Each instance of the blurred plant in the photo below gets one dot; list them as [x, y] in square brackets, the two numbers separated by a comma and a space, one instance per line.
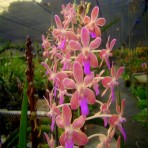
[70, 63]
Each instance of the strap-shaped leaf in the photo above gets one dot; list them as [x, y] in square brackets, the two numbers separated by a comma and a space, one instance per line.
[23, 120]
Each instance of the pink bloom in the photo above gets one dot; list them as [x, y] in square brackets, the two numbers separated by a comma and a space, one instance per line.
[46, 45]
[61, 33]
[72, 134]
[97, 79]
[83, 95]
[66, 61]
[50, 141]
[54, 111]
[69, 13]
[106, 140]
[117, 120]
[93, 22]
[86, 57]
[105, 53]
[110, 82]
[105, 109]
[56, 77]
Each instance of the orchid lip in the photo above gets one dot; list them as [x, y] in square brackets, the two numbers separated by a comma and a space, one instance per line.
[86, 67]
[84, 106]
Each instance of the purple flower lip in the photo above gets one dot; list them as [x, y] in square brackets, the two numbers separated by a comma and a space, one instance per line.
[86, 66]
[84, 106]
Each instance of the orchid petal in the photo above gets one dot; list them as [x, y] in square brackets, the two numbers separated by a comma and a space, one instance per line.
[113, 71]
[69, 83]
[118, 142]
[90, 96]
[97, 31]
[88, 79]
[59, 121]
[63, 44]
[61, 75]
[107, 61]
[106, 81]
[43, 38]
[95, 43]
[79, 138]
[62, 139]
[112, 44]
[58, 21]
[118, 108]
[70, 35]
[105, 121]
[86, 19]
[112, 94]
[100, 21]
[75, 45]
[119, 72]
[79, 122]
[113, 119]
[96, 88]
[122, 106]
[74, 101]
[79, 58]
[78, 72]
[107, 43]
[66, 115]
[122, 131]
[95, 13]
[85, 38]
[93, 60]
[52, 123]
[102, 53]
[104, 92]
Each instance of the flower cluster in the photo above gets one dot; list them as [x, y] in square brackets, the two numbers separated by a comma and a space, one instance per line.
[72, 65]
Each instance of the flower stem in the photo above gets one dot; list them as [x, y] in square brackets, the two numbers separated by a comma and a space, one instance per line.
[94, 135]
[98, 116]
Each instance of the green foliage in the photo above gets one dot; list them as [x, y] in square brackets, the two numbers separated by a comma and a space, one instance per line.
[139, 91]
[23, 121]
[142, 117]
[142, 104]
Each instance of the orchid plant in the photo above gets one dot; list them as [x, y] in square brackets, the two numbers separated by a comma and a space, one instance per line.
[72, 55]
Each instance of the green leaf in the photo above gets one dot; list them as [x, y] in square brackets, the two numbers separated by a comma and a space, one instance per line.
[104, 28]
[23, 121]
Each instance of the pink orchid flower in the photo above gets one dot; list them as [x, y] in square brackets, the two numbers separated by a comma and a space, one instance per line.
[62, 33]
[46, 45]
[106, 53]
[66, 61]
[83, 95]
[54, 111]
[93, 22]
[117, 120]
[104, 108]
[110, 82]
[50, 141]
[56, 77]
[106, 140]
[69, 13]
[72, 134]
[97, 79]
[86, 57]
